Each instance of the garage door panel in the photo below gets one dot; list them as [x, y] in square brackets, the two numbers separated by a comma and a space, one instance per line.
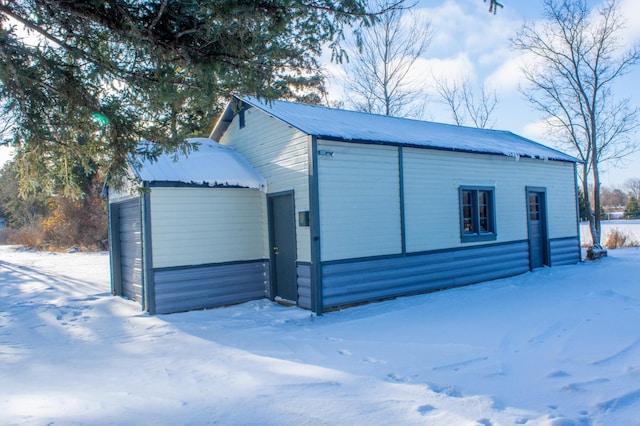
[131, 249]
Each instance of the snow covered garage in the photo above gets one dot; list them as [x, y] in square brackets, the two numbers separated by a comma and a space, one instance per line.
[363, 207]
[190, 233]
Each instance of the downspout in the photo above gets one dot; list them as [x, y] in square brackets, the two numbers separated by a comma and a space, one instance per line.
[314, 222]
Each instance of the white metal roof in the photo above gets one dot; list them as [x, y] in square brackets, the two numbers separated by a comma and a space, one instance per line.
[211, 164]
[344, 125]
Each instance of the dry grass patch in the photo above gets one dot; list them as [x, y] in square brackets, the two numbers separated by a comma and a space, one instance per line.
[618, 239]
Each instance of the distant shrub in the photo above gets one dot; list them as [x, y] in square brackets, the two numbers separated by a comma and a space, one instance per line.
[31, 235]
[81, 224]
[70, 223]
[619, 239]
[4, 235]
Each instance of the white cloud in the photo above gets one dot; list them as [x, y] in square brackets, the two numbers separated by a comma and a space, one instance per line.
[465, 26]
[508, 77]
[434, 69]
[630, 10]
[536, 130]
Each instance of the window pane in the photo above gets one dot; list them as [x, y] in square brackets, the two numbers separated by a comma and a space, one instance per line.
[483, 197]
[484, 219]
[534, 207]
[483, 210]
[467, 218]
[466, 197]
[467, 212]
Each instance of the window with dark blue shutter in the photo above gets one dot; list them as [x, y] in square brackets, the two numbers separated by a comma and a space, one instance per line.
[477, 214]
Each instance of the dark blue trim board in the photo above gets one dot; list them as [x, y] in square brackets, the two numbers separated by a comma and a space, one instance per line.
[148, 290]
[176, 184]
[316, 281]
[114, 249]
[403, 228]
[207, 265]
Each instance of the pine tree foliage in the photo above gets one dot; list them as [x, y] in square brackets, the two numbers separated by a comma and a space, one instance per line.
[84, 81]
[632, 209]
[18, 211]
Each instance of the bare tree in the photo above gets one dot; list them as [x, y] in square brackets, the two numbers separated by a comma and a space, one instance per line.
[578, 58]
[378, 78]
[613, 197]
[632, 185]
[467, 107]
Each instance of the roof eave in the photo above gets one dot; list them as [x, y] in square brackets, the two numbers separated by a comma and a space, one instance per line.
[225, 119]
[564, 157]
[227, 116]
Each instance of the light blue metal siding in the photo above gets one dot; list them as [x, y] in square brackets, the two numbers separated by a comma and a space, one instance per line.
[183, 289]
[565, 251]
[303, 271]
[364, 280]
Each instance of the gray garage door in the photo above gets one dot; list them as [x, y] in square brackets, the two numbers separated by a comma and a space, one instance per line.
[131, 249]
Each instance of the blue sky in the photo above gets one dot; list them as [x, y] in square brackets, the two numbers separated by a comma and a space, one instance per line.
[470, 41]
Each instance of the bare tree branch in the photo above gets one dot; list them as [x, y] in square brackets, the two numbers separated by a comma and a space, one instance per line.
[378, 76]
[578, 57]
[467, 107]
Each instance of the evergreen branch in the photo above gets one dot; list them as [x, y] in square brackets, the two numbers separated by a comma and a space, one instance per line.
[163, 6]
[398, 5]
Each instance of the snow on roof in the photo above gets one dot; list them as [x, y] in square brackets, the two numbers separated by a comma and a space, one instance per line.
[211, 164]
[336, 124]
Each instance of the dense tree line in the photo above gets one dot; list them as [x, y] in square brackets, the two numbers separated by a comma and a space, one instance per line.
[626, 198]
[40, 220]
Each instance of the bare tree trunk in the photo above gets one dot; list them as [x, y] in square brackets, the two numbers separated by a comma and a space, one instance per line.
[579, 57]
[587, 201]
[596, 228]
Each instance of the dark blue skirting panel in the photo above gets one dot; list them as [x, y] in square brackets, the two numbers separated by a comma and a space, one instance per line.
[565, 251]
[357, 281]
[208, 286]
[304, 284]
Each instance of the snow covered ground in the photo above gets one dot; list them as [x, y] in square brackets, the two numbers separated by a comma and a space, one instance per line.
[630, 228]
[558, 346]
